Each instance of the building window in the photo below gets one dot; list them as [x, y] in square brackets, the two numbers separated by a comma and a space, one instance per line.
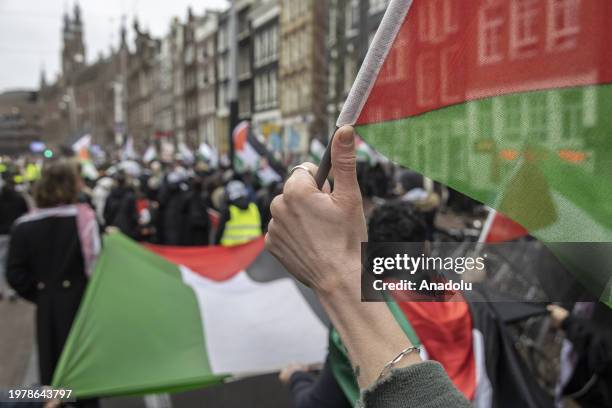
[244, 102]
[524, 27]
[352, 17]
[273, 90]
[349, 72]
[333, 16]
[223, 66]
[563, 24]
[257, 93]
[377, 6]
[513, 117]
[331, 89]
[266, 46]
[244, 68]
[426, 78]
[537, 116]
[450, 90]
[223, 96]
[490, 32]
[274, 42]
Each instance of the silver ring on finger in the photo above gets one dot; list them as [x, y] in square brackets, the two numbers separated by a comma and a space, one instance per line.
[299, 166]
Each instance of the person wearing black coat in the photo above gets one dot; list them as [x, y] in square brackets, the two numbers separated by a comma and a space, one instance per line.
[12, 206]
[173, 197]
[47, 260]
[196, 222]
[589, 331]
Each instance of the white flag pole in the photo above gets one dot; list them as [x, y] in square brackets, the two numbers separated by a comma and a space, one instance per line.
[366, 77]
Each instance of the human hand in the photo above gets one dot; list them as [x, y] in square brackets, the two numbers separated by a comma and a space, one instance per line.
[111, 229]
[285, 374]
[557, 315]
[316, 234]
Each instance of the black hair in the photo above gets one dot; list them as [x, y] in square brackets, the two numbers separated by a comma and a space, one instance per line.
[396, 222]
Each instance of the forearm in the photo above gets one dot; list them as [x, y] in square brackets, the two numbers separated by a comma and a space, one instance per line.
[368, 330]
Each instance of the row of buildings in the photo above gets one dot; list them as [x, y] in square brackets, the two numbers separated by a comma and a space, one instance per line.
[296, 60]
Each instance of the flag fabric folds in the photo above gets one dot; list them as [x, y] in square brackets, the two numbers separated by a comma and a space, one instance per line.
[165, 319]
[505, 101]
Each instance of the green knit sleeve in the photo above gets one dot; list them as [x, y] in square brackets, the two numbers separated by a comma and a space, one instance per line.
[422, 385]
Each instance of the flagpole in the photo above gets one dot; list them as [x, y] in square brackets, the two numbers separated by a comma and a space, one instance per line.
[233, 81]
[366, 77]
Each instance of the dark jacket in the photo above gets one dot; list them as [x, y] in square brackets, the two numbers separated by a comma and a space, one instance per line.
[591, 381]
[173, 208]
[12, 206]
[322, 391]
[197, 223]
[45, 266]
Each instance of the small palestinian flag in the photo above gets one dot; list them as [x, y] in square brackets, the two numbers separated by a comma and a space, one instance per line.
[499, 228]
[252, 155]
[166, 319]
[506, 101]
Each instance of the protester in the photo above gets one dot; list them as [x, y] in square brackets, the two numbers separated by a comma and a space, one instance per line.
[317, 236]
[100, 194]
[197, 222]
[392, 222]
[589, 358]
[120, 208]
[240, 220]
[310, 391]
[173, 202]
[51, 255]
[12, 206]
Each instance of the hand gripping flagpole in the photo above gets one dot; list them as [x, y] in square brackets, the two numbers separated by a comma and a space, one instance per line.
[360, 91]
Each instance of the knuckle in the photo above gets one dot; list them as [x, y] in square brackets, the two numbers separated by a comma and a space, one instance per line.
[269, 242]
[276, 206]
[291, 192]
[346, 162]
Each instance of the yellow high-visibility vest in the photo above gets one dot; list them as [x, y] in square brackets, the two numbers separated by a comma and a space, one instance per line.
[32, 172]
[242, 226]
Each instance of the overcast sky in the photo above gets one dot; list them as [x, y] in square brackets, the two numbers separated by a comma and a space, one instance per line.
[30, 31]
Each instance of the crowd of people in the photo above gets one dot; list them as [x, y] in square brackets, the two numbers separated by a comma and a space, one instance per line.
[51, 211]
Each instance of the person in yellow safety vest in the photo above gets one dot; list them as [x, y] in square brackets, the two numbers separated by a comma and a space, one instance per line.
[241, 220]
[32, 172]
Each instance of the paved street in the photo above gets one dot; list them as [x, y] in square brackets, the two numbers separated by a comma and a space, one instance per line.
[18, 367]
[16, 342]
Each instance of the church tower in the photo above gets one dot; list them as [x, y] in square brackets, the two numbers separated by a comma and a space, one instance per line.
[73, 50]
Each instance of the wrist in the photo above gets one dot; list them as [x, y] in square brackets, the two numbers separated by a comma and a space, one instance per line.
[341, 284]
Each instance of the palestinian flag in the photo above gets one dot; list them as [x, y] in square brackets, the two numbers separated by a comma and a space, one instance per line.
[499, 228]
[252, 155]
[316, 150]
[162, 319]
[507, 102]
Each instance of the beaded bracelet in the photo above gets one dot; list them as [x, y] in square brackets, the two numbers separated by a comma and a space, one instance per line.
[389, 366]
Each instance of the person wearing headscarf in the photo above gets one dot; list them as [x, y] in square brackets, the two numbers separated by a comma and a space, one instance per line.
[51, 256]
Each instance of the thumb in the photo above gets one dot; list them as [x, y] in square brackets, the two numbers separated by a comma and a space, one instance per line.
[343, 161]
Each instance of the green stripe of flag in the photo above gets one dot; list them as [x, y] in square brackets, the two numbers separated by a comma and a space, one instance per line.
[543, 158]
[147, 316]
